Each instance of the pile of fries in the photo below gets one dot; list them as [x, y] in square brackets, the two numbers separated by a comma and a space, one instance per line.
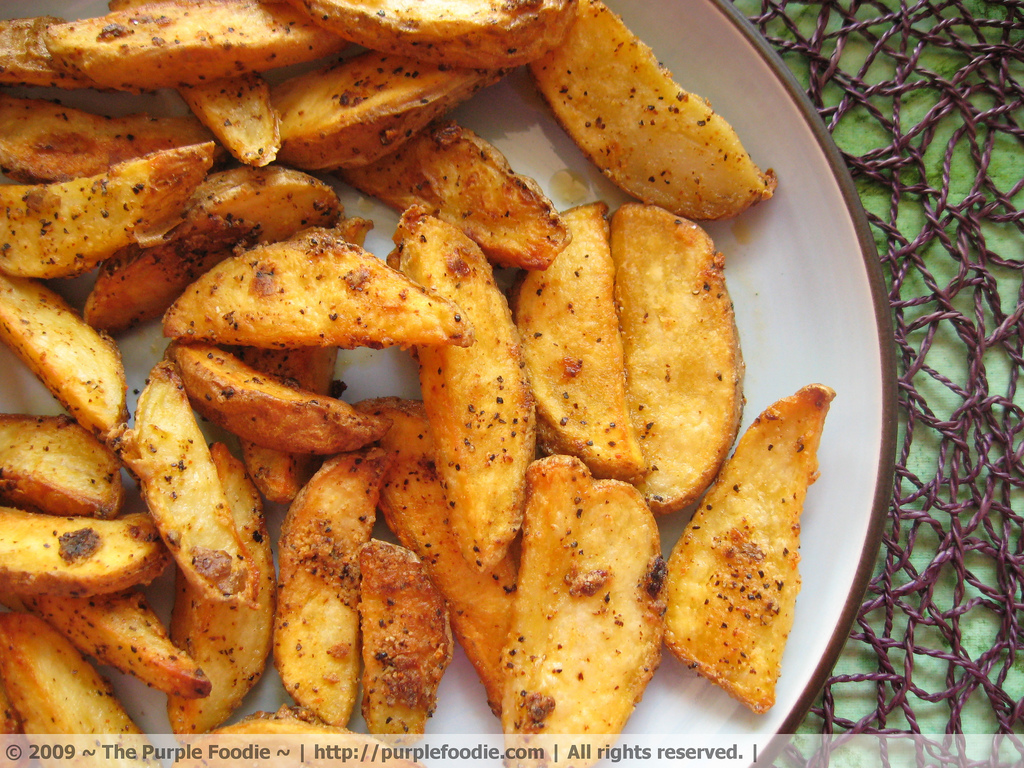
[590, 385]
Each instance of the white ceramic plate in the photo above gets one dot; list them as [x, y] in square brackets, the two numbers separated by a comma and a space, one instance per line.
[810, 305]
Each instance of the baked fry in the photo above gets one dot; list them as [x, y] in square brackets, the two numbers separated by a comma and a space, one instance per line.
[684, 368]
[229, 639]
[733, 576]
[406, 639]
[237, 110]
[353, 112]
[54, 465]
[25, 59]
[314, 289]
[268, 410]
[169, 43]
[657, 142]
[75, 556]
[80, 366]
[67, 228]
[462, 179]
[413, 503]
[570, 330]
[316, 632]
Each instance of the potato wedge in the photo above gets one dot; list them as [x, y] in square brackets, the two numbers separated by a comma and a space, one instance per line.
[587, 621]
[266, 409]
[406, 639]
[53, 687]
[79, 365]
[570, 330]
[25, 59]
[241, 206]
[54, 465]
[316, 632]
[478, 399]
[733, 576]
[684, 368]
[413, 503]
[353, 112]
[74, 556]
[462, 179]
[123, 631]
[237, 110]
[42, 141]
[657, 142]
[468, 34]
[167, 452]
[66, 228]
[181, 42]
[314, 289]
[229, 639]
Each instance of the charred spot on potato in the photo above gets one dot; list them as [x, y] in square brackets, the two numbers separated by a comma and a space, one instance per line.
[78, 545]
[586, 584]
[655, 579]
[537, 707]
[214, 566]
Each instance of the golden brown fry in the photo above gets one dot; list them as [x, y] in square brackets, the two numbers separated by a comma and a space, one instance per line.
[25, 59]
[478, 399]
[123, 631]
[733, 576]
[570, 329]
[684, 369]
[414, 506]
[406, 637]
[66, 228]
[587, 619]
[74, 556]
[168, 454]
[266, 409]
[241, 206]
[462, 179]
[316, 632]
[355, 111]
[468, 34]
[181, 42]
[315, 289]
[229, 639]
[237, 110]
[54, 465]
[44, 141]
[79, 365]
[653, 139]
[52, 686]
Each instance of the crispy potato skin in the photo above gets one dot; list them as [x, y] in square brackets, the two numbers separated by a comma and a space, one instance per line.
[52, 686]
[315, 289]
[413, 503]
[266, 409]
[25, 59]
[570, 330]
[82, 367]
[123, 631]
[237, 207]
[66, 228]
[181, 42]
[465, 181]
[478, 399]
[230, 639]
[684, 368]
[42, 141]
[733, 576]
[384, 100]
[237, 110]
[587, 621]
[406, 637]
[316, 632]
[657, 142]
[54, 465]
[75, 556]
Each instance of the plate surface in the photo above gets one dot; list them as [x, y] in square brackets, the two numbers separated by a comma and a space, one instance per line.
[810, 306]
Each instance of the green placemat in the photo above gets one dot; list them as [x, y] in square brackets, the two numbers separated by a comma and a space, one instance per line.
[926, 101]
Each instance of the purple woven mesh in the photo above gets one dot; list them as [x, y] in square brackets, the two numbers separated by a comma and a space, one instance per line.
[926, 100]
